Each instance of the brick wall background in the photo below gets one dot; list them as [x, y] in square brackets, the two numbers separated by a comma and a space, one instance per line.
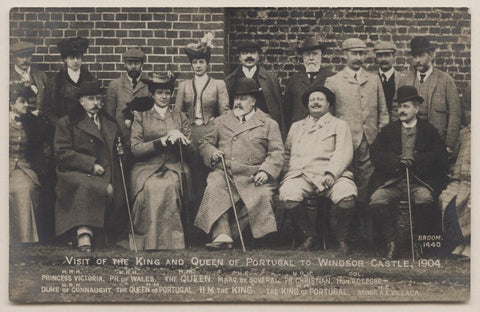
[280, 30]
[162, 32]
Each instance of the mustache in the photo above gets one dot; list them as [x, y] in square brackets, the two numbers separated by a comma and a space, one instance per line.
[134, 73]
[249, 59]
[402, 114]
[384, 63]
[315, 106]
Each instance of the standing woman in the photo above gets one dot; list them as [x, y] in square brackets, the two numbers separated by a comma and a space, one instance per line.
[157, 171]
[201, 99]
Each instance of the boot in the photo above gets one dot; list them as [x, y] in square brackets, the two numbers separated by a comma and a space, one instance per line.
[343, 217]
[302, 222]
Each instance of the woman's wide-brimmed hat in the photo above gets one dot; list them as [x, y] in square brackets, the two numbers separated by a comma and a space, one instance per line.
[161, 81]
[316, 88]
[72, 46]
[201, 50]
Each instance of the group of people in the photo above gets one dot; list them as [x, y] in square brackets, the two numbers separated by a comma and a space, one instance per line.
[220, 150]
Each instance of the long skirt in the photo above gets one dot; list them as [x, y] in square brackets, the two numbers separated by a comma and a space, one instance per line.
[23, 199]
[156, 212]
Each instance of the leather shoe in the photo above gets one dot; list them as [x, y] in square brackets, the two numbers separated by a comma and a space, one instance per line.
[213, 246]
[390, 250]
[344, 248]
[308, 244]
[84, 242]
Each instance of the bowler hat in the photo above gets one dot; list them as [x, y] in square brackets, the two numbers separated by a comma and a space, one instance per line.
[21, 89]
[22, 47]
[354, 44]
[72, 46]
[384, 47]
[246, 85]
[134, 54]
[248, 46]
[311, 43]
[408, 93]
[160, 81]
[90, 88]
[316, 88]
[420, 44]
[200, 50]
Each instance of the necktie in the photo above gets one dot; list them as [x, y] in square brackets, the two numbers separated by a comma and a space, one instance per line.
[134, 82]
[95, 121]
[384, 77]
[422, 77]
[311, 76]
[242, 119]
[355, 76]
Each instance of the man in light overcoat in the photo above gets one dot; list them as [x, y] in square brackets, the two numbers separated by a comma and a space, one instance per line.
[251, 144]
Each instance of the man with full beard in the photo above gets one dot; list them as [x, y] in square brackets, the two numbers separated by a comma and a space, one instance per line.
[124, 89]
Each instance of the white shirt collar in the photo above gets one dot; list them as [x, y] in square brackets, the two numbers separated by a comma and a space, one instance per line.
[412, 124]
[160, 110]
[352, 72]
[249, 72]
[427, 73]
[388, 73]
[24, 73]
[73, 74]
[249, 115]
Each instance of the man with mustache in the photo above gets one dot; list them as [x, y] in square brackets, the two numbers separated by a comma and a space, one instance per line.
[441, 106]
[413, 144]
[390, 77]
[251, 144]
[311, 50]
[24, 71]
[360, 101]
[270, 100]
[318, 152]
[125, 88]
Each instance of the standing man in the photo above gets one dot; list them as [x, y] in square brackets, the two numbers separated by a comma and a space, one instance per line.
[270, 99]
[441, 106]
[23, 71]
[252, 146]
[361, 103]
[318, 152]
[407, 144]
[313, 73]
[390, 77]
[125, 88]
[89, 190]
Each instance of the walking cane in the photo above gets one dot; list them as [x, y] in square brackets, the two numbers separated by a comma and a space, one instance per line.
[233, 203]
[120, 152]
[410, 212]
[185, 208]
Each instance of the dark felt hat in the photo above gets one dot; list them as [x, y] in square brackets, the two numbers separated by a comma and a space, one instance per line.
[316, 88]
[72, 46]
[22, 47]
[161, 81]
[90, 88]
[248, 46]
[311, 43]
[246, 85]
[408, 93]
[21, 89]
[134, 54]
[420, 44]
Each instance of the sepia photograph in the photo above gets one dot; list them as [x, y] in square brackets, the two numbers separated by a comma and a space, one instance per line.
[239, 154]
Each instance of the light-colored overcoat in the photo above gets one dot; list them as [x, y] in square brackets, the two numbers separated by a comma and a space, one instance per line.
[360, 103]
[249, 148]
[312, 149]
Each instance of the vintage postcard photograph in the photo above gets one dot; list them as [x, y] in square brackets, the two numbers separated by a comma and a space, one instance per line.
[239, 154]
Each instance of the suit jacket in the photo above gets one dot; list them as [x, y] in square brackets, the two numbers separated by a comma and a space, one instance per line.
[430, 156]
[442, 103]
[360, 103]
[39, 79]
[294, 110]
[249, 148]
[119, 92]
[78, 145]
[398, 76]
[213, 98]
[271, 90]
[315, 149]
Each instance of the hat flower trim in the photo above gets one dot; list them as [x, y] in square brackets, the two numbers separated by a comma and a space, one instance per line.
[205, 44]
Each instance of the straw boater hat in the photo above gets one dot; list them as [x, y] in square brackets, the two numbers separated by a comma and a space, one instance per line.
[201, 50]
[161, 81]
[72, 46]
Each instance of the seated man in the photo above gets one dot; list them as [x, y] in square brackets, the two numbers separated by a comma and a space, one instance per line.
[89, 187]
[251, 143]
[413, 144]
[318, 151]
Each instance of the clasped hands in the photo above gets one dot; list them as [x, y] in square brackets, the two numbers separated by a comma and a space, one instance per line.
[174, 136]
[406, 162]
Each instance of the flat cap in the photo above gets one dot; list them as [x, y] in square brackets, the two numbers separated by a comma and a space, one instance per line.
[133, 54]
[384, 47]
[22, 47]
[354, 44]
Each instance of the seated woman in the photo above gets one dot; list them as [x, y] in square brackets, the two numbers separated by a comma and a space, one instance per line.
[156, 173]
[25, 147]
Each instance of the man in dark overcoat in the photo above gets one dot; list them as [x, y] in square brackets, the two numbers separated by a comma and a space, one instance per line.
[311, 50]
[411, 144]
[270, 100]
[89, 188]
[252, 146]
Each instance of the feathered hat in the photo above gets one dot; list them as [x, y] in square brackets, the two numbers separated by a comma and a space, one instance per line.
[161, 81]
[200, 50]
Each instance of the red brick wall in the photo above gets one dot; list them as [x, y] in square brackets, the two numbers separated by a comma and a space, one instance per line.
[281, 29]
[160, 32]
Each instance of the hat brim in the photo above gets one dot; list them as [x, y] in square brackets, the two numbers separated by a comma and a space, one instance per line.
[24, 51]
[90, 92]
[254, 92]
[417, 98]
[420, 51]
[385, 51]
[356, 49]
[322, 47]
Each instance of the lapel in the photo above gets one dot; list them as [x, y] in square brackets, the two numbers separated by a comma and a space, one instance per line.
[86, 125]
[156, 115]
[261, 72]
[128, 85]
[350, 78]
[303, 78]
[233, 124]
[363, 77]
[109, 130]
[432, 84]
[325, 124]
[396, 139]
